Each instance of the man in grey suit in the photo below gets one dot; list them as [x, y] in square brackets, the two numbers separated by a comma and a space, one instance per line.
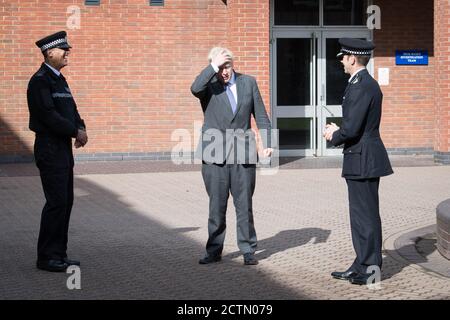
[228, 149]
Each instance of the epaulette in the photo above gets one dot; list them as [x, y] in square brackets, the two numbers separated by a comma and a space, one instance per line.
[356, 79]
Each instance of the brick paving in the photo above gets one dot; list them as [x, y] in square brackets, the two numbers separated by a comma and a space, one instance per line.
[139, 235]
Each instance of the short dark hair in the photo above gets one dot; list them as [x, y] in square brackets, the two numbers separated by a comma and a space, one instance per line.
[363, 60]
[45, 54]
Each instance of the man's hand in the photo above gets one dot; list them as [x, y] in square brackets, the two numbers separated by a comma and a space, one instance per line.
[81, 139]
[77, 144]
[330, 129]
[267, 152]
[221, 59]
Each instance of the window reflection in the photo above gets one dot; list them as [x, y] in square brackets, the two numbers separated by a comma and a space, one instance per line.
[345, 12]
[297, 12]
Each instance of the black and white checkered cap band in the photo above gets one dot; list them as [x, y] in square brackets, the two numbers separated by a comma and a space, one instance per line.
[361, 53]
[53, 43]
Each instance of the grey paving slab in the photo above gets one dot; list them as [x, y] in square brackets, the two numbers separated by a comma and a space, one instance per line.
[140, 235]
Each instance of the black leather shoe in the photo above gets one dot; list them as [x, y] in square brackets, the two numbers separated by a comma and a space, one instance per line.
[250, 259]
[360, 279]
[346, 275]
[52, 265]
[71, 262]
[210, 259]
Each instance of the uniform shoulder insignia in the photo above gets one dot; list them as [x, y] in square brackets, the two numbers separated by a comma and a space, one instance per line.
[356, 79]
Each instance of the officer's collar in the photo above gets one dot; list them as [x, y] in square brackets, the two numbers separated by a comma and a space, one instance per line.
[354, 75]
[51, 72]
[53, 69]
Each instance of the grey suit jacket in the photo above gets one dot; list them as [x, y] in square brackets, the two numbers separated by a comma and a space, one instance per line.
[227, 137]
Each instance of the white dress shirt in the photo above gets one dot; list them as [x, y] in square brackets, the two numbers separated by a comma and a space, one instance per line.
[53, 69]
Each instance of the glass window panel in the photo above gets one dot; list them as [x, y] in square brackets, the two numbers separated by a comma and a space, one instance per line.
[294, 133]
[293, 72]
[345, 12]
[297, 12]
[336, 78]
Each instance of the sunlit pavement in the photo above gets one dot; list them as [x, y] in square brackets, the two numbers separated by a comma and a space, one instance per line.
[139, 236]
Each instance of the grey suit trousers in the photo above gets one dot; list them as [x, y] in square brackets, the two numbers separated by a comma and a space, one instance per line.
[220, 180]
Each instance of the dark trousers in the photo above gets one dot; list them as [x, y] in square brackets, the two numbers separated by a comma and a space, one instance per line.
[55, 162]
[365, 223]
[220, 180]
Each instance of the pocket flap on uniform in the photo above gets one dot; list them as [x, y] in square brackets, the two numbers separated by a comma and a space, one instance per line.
[353, 149]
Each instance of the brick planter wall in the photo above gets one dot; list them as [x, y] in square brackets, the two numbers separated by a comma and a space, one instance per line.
[443, 228]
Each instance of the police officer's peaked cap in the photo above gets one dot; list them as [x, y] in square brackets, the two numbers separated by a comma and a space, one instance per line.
[56, 40]
[356, 47]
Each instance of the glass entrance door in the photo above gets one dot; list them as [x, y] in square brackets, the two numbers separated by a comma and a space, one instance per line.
[295, 92]
[308, 84]
[307, 80]
[332, 81]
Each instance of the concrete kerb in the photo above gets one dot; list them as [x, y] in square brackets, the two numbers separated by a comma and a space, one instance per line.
[408, 237]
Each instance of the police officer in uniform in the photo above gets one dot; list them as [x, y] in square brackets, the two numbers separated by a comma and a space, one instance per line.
[55, 120]
[365, 157]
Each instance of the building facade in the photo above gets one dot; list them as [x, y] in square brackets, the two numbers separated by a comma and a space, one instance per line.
[133, 62]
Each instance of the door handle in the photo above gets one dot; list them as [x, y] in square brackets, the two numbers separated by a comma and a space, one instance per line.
[322, 99]
[322, 94]
[331, 113]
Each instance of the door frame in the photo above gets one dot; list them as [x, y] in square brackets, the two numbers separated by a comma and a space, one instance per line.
[309, 111]
[317, 110]
[324, 110]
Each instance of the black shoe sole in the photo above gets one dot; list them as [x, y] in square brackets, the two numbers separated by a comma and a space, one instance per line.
[341, 278]
[52, 269]
[359, 283]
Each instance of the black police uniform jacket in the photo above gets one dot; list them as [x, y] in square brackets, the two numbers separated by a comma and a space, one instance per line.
[364, 153]
[53, 117]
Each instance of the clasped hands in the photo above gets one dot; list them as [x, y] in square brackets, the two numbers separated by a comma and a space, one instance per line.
[81, 138]
[329, 130]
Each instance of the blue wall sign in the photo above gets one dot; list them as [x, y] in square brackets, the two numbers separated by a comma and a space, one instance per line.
[411, 57]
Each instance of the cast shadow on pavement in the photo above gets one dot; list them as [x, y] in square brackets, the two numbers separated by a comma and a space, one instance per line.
[422, 253]
[285, 240]
[392, 266]
[125, 253]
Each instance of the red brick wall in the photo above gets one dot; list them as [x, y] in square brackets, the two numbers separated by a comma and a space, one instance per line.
[132, 66]
[408, 102]
[249, 40]
[442, 75]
